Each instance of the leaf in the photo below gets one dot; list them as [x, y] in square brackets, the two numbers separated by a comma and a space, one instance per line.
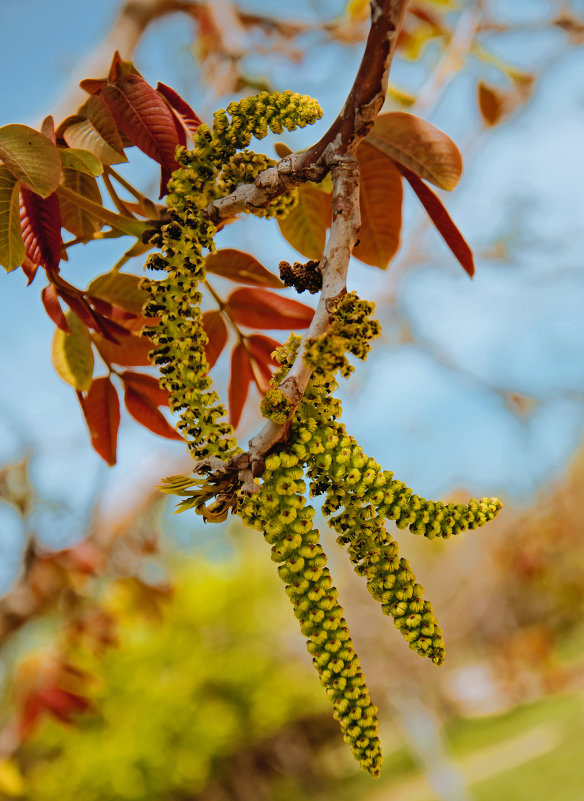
[83, 224]
[118, 222]
[82, 160]
[492, 103]
[130, 351]
[239, 381]
[144, 411]
[31, 158]
[98, 133]
[101, 408]
[442, 220]
[121, 289]
[282, 149]
[11, 245]
[53, 308]
[262, 347]
[185, 113]
[419, 146]
[380, 201]
[258, 308]
[304, 227]
[40, 219]
[146, 385]
[72, 353]
[242, 267]
[216, 330]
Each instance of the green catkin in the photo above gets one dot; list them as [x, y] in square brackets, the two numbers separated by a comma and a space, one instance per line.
[280, 511]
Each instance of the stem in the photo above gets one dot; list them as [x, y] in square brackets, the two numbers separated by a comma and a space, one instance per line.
[118, 202]
[127, 225]
[223, 308]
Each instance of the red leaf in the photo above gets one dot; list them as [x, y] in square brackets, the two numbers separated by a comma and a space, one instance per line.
[241, 376]
[40, 219]
[262, 347]
[441, 219]
[186, 114]
[144, 411]
[101, 408]
[216, 330]
[53, 308]
[144, 117]
[129, 352]
[92, 85]
[258, 308]
[146, 385]
[29, 268]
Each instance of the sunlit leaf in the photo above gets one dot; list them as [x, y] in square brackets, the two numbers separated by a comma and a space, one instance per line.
[53, 308]
[11, 245]
[258, 308]
[98, 133]
[75, 219]
[419, 146]
[239, 381]
[261, 347]
[241, 267]
[216, 330]
[40, 219]
[31, 158]
[380, 201]
[72, 353]
[185, 113]
[304, 227]
[82, 160]
[121, 289]
[101, 408]
[130, 351]
[146, 385]
[144, 411]
[442, 220]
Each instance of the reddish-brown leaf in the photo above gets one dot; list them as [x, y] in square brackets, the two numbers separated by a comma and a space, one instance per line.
[262, 374]
[92, 85]
[261, 347]
[98, 133]
[304, 227]
[146, 385]
[40, 219]
[128, 352]
[239, 381]
[29, 268]
[144, 117]
[53, 308]
[216, 330]
[144, 411]
[48, 129]
[442, 220]
[241, 267]
[492, 103]
[185, 113]
[258, 308]
[101, 407]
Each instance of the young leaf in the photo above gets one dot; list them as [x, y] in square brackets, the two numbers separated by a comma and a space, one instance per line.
[380, 201]
[11, 245]
[146, 385]
[72, 353]
[121, 289]
[304, 227]
[31, 158]
[419, 146]
[101, 408]
[282, 150]
[144, 411]
[262, 374]
[216, 330]
[492, 102]
[240, 379]
[261, 347]
[40, 219]
[185, 113]
[98, 133]
[442, 220]
[83, 224]
[82, 160]
[53, 308]
[130, 351]
[258, 308]
[241, 267]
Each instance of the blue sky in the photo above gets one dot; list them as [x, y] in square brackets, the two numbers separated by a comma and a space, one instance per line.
[425, 409]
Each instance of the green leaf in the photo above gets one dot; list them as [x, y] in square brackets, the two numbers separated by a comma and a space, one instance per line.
[119, 289]
[74, 218]
[11, 244]
[31, 158]
[72, 353]
[76, 159]
[305, 226]
[118, 222]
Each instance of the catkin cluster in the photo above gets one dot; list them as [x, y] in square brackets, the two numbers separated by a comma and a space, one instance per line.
[177, 332]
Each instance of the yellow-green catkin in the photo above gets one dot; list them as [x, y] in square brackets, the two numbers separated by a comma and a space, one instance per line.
[177, 333]
[281, 512]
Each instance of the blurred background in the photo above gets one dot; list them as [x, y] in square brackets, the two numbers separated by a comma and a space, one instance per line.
[144, 656]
